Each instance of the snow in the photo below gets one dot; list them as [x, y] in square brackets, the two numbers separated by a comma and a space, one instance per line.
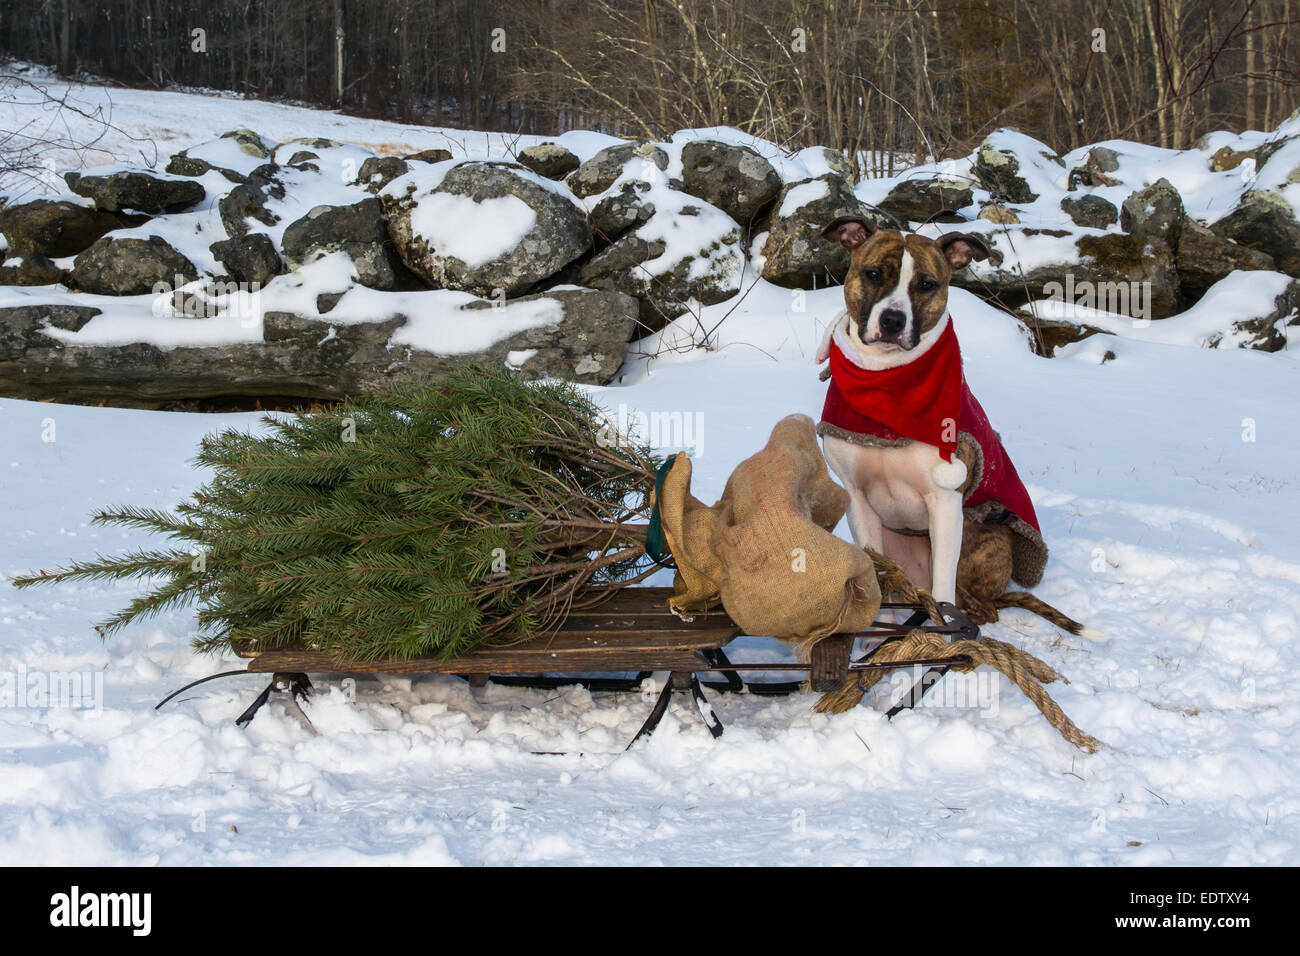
[474, 232]
[1166, 479]
[1238, 297]
[802, 195]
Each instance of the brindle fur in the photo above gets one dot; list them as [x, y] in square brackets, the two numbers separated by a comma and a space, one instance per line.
[874, 267]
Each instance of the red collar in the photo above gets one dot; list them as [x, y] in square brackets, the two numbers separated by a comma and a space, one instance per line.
[920, 400]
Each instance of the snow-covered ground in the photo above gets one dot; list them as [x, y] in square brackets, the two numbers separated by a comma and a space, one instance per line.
[1167, 481]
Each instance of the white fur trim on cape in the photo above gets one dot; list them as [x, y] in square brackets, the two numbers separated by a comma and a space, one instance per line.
[874, 361]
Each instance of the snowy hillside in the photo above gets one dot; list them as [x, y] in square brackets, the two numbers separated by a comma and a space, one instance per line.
[1167, 481]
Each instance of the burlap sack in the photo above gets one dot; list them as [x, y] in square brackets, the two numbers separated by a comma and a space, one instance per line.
[766, 549]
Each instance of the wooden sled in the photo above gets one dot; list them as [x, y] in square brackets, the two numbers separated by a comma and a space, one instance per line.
[632, 632]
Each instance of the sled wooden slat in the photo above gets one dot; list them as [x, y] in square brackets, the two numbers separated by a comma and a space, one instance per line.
[628, 632]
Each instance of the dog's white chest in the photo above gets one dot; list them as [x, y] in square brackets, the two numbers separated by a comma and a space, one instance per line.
[899, 482]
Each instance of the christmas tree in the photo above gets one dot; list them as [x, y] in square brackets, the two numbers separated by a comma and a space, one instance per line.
[428, 519]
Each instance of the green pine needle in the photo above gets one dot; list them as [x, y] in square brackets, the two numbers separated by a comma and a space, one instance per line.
[428, 519]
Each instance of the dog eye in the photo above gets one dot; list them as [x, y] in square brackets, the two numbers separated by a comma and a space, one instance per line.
[926, 285]
[872, 275]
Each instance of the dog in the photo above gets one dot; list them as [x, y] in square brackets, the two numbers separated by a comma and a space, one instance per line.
[930, 485]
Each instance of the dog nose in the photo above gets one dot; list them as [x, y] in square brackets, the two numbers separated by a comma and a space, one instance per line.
[892, 322]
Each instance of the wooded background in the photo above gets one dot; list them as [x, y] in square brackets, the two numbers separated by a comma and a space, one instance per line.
[876, 77]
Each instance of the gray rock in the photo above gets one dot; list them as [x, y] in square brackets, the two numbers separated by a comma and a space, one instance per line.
[620, 211]
[1264, 220]
[1204, 258]
[1100, 162]
[251, 258]
[666, 294]
[549, 160]
[21, 329]
[1091, 211]
[304, 157]
[795, 254]
[559, 235]
[588, 345]
[358, 230]
[30, 269]
[1264, 151]
[429, 156]
[1155, 213]
[249, 141]
[998, 171]
[1102, 264]
[138, 190]
[839, 164]
[301, 357]
[604, 169]
[130, 266]
[734, 178]
[244, 202]
[378, 171]
[56, 228]
[921, 200]
[998, 213]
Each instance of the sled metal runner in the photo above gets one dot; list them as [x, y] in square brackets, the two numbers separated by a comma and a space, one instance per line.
[634, 632]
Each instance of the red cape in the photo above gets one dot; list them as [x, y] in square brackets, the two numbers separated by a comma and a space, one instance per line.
[921, 401]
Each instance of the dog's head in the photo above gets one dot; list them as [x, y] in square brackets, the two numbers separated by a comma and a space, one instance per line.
[896, 289]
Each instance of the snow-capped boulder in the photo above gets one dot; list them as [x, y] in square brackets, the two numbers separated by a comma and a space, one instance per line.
[548, 160]
[620, 210]
[1203, 258]
[245, 202]
[587, 344]
[22, 328]
[368, 340]
[735, 179]
[836, 162]
[56, 228]
[30, 269]
[1265, 220]
[137, 190]
[610, 165]
[357, 230]
[1017, 167]
[132, 266]
[378, 171]
[1096, 170]
[795, 254]
[1092, 211]
[483, 227]
[687, 250]
[1268, 333]
[234, 155]
[250, 258]
[1154, 213]
[1034, 260]
[921, 199]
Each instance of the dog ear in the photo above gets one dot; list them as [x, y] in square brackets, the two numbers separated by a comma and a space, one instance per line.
[961, 248]
[849, 231]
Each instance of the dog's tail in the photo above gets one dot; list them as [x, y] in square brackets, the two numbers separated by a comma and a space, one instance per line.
[1025, 600]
